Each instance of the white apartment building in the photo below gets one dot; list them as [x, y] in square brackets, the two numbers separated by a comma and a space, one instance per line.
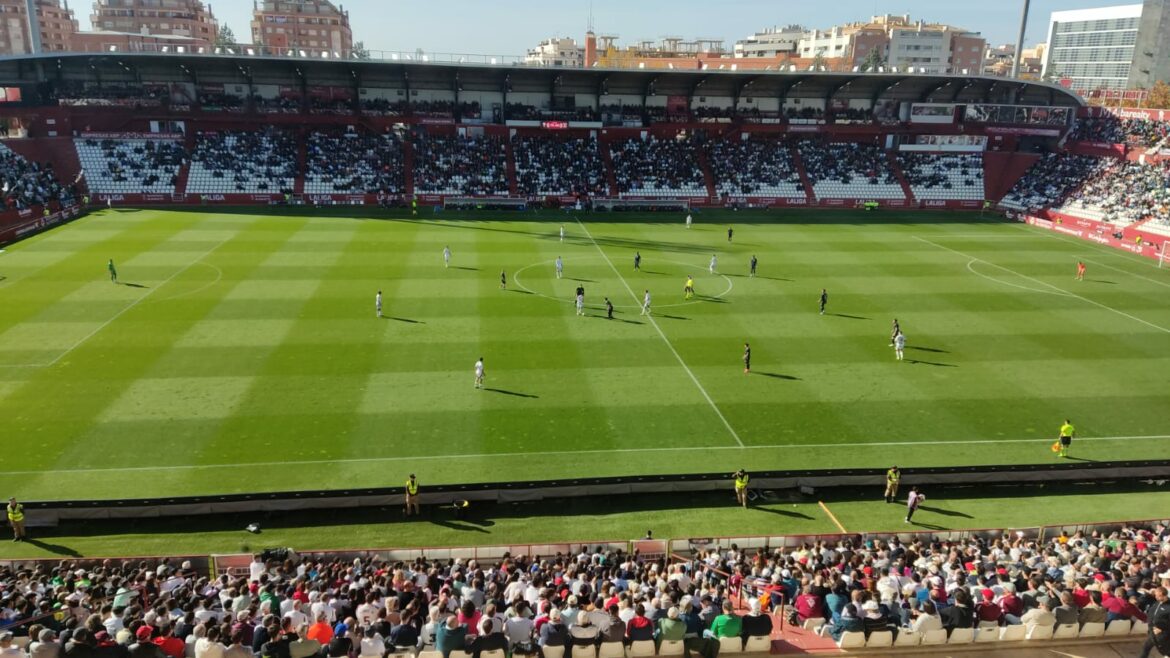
[557, 51]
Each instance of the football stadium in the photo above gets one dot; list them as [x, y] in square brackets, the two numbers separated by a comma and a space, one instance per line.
[324, 357]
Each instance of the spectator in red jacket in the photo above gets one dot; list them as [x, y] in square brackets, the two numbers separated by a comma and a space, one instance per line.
[987, 612]
[171, 645]
[809, 605]
[639, 627]
[1012, 605]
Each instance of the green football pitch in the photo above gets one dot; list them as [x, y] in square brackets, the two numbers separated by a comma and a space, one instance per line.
[241, 352]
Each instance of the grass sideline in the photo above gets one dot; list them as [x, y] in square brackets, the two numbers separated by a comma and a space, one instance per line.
[580, 520]
[242, 354]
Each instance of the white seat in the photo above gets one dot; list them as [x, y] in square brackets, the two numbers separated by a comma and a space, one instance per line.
[878, 639]
[1012, 633]
[1065, 632]
[556, 652]
[610, 650]
[962, 636]
[23, 641]
[1092, 629]
[641, 648]
[758, 644]
[1039, 632]
[730, 645]
[938, 636]
[671, 648]
[400, 652]
[1139, 628]
[907, 638]
[987, 634]
[851, 640]
[813, 623]
[430, 654]
[1118, 627]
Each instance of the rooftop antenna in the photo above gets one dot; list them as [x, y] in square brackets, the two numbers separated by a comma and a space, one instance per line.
[1020, 42]
[590, 25]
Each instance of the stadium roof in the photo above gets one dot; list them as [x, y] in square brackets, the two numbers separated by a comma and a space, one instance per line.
[131, 68]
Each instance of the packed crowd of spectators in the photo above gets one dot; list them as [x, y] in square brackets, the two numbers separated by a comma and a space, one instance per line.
[279, 105]
[110, 94]
[754, 167]
[384, 107]
[348, 162]
[330, 106]
[456, 164]
[553, 166]
[220, 102]
[24, 183]
[131, 165]
[1125, 192]
[658, 167]
[290, 606]
[243, 162]
[1137, 132]
[524, 112]
[1050, 180]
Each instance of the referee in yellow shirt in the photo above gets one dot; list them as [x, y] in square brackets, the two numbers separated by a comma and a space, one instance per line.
[412, 495]
[1067, 432]
[16, 519]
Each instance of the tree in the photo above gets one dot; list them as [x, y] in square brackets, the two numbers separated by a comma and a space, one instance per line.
[873, 60]
[359, 50]
[225, 38]
[1159, 97]
[818, 61]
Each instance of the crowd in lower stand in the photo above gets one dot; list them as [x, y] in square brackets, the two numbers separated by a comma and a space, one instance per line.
[289, 606]
[457, 164]
[754, 167]
[24, 183]
[1126, 191]
[349, 162]
[559, 166]
[147, 162]
[846, 163]
[653, 165]
[261, 161]
[1050, 180]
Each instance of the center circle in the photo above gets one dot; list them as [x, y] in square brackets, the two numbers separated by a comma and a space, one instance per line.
[519, 284]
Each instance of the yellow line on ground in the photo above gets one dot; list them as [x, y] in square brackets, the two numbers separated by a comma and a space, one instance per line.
[832, 518]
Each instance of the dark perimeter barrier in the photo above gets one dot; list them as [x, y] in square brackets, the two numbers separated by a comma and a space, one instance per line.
[49, 513]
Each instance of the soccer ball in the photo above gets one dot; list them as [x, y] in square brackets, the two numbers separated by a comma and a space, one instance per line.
[922, 498]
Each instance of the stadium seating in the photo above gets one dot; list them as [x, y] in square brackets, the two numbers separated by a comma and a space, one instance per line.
[247, 162]
[943, 177]
[130, 166]
[550, 166]
[754, 167]
[1136, 132]
[654, 167]
[1122, 192]
[451, 164]
[849, 171]
[354, 163]
[1050, 180]
[26, 184]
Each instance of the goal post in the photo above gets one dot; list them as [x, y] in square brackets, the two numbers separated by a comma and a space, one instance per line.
[1164, 253]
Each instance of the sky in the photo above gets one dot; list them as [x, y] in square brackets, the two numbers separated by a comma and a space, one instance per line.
[510, 27]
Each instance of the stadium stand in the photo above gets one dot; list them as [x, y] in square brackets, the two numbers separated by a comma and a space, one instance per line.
[935, 176]
[226, 162]
[1050, 180]
[348, 162]
[130, 165]
[655, 167]
[850, 171]
[25, 184]
[1122, 192]
[552, 166]
[754, 167]
[860, 592]
[450, 164]
[1137, 132]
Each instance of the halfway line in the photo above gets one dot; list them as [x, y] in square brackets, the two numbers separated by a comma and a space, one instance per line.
[555, 453]
[1044, 283]
[661, 333]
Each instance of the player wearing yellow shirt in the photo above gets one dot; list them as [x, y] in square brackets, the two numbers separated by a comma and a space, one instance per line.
[1067, 432]
[689, 288]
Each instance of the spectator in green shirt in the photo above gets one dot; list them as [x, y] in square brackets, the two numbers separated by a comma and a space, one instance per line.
[726, 624]
[450, 636]
[670, 627]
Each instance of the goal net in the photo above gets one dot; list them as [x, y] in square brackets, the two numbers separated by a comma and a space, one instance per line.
[1164, 254]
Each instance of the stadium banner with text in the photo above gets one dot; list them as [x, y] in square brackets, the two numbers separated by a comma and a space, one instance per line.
[13, 226]
[1093, 231]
